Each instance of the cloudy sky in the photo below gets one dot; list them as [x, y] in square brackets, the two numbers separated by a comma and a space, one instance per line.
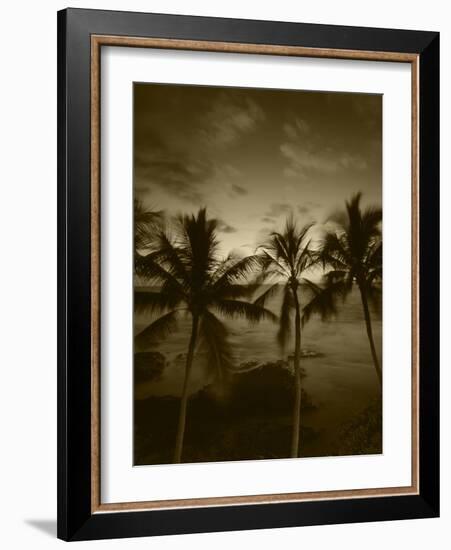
[253, 156]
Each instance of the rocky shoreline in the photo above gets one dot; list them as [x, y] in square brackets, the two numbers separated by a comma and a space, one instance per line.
[150, 365]
[248, 417]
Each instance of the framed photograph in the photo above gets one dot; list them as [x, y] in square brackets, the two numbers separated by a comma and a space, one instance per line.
[248, 274]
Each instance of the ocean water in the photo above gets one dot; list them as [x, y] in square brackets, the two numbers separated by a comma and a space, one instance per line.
[341, 380]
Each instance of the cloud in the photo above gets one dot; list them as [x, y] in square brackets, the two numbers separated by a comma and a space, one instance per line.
[309, 154]
[297, 129]
[230, 171]
[229, 119]
[352, 161]
[304, 159]
[307, 212]
[277, 209]
[303, 209]
[307, 207]
[158, 165]
[224, 227]
[368, 109]
[181, 166]
[238, 190]
[181, 177]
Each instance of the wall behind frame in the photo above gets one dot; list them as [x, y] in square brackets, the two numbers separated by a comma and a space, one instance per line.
[28, 274]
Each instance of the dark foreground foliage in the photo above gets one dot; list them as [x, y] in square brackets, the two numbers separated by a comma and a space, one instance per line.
[250, 419]
[363, 435]
[148, 366]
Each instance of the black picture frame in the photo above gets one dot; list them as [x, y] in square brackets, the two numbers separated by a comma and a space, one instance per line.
[75, 518]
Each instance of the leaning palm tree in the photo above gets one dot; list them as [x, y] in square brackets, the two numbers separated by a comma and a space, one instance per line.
[284, 258]
[194, 280]
[352, 251]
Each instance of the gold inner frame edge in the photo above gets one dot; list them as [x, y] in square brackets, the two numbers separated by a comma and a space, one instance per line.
[97, 41]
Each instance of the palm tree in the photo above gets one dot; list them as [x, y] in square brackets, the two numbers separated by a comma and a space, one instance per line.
[194, 280]
[285, 257]
[352, 251]
[145, 223]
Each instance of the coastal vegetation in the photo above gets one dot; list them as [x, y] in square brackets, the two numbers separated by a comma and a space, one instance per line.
[351, 252]
[248, 410]
[285, 258]
[194, 281]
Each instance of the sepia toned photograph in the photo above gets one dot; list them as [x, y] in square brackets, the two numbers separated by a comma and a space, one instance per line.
[257, 274]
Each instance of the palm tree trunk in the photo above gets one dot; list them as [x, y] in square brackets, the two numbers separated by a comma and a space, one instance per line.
[297, 381]
[184, 401]
[369, 331]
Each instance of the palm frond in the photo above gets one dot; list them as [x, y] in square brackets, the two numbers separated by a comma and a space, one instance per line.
[334, 251]
[373, 263]
[362, 227]
[280, 247]
[301, 235]
[147, 301]
[307, 258]
[267, 295]
[284, 332]
[236, 291]
[371, 220]
[157, 331]
[374, 255]
[145, 223]
[374, 294]
[335, 274]
[374, 275]
[269, 276]
[234, 270]
[354, 247]
[322, 299]
[150, 268]
[270, 263]
[214, 338]
[198, 241]
[239, 309]
[172, 257]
